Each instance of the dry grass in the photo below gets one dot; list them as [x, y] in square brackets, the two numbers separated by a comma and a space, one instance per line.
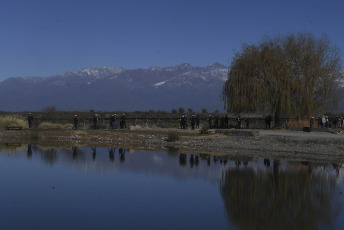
[13, 121]
[81, 133]
[298, 123]
[47, 125]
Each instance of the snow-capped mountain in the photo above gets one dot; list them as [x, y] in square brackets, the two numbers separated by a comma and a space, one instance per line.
[109, 89]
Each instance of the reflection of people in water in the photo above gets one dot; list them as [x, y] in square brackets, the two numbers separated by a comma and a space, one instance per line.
[192, 160]
[215, 159]
[267, 162]
[310, 168]
[182, 159]
[29, 150]
[94, 154]
[337, 167]
[75, 149]
[196, 160]
[121, 155]
[208, 161]
[112, 154]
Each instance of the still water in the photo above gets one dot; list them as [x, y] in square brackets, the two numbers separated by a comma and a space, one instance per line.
[107, 188]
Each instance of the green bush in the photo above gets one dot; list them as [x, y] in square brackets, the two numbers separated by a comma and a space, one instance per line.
[204, 130]
[173, 136]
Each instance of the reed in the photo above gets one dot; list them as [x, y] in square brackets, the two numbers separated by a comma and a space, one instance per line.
[47, 125]
[13, 121]
[298, 123]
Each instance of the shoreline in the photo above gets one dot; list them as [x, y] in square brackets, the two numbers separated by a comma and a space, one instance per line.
[278, 144]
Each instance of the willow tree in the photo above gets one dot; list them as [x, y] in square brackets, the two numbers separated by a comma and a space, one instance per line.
[296, 74]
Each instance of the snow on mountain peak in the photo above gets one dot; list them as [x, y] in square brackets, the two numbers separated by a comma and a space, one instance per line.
[160, 83]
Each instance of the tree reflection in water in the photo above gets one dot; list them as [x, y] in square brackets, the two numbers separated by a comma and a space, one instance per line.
[293, 199]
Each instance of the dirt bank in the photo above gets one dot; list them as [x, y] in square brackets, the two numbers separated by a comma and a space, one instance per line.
[277, 144]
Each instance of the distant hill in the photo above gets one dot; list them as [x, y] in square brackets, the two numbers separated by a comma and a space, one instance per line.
[114, 89]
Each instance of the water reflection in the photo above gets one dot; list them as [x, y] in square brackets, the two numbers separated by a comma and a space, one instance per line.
[280, 199]
[172, 151]
[112, 154]
[29, 151]
[49, 156]
[121, 155]
[94, 153]
[182, 159]
[267, 162]
[75, 152]
[256, 193]
[337, 168]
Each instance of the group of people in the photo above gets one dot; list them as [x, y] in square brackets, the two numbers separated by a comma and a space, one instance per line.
[326, 122]
[214, 122]
[113, 118]
[194, 122]
[122, 123]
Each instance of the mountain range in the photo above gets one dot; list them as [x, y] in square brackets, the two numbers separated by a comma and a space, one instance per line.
[118, 89]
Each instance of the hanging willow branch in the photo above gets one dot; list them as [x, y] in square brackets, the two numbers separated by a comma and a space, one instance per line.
[295, 74]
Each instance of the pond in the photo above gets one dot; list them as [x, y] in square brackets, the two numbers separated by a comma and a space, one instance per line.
[111, 188]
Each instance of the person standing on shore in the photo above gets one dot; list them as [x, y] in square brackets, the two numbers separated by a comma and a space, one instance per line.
[197, 121]
[185, 121]
[323, 121]
[311, 124]
[210, 121]
[95, 120]
[238, 122]
[123, 121]
[268, 121]
[75, 121]
[113, 121]
[193, 122]
[29, 120]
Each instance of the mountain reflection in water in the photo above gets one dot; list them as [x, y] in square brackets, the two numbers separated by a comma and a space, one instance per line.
[159, 190]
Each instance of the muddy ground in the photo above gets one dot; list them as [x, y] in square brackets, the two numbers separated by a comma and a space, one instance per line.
[241, 144]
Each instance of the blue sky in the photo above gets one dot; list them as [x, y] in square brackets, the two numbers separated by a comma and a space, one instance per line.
[47, 37]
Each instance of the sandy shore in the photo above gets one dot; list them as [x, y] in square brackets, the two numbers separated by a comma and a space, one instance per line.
[277, 144]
